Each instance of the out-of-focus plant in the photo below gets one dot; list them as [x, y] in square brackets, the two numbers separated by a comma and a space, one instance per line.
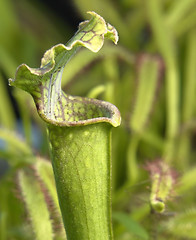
[150, 77]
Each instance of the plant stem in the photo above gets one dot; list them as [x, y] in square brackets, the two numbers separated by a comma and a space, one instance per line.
[165, 44]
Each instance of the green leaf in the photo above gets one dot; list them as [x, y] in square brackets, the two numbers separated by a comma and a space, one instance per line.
[36, 206]
[131, 225]
[11, 220]
[45, 173]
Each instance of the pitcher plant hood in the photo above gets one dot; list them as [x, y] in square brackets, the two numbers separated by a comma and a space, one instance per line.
[44, 83]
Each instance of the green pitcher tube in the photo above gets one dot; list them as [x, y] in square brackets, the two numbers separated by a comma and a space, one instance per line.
[79, 131]
[82, 168]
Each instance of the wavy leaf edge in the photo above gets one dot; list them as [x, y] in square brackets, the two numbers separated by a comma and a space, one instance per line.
[44, 83]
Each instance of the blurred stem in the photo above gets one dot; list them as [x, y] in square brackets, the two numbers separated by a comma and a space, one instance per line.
[7, 117]
[7, 63]
[122, 195]
[141, 212]
[95, 92]
[183, 152]
[153, 139]
[172, 99]
[165, 44]
[3, 213]
[3, 223]
[135, 22]
[177, 11]
[148, 137]
[112, 72]
[188, 102]
[189, 84]
[132, 159]
[25, 116]
[186, 24]
[15, 142]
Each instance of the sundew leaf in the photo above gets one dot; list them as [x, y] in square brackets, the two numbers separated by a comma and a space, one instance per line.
[45, 176]
[132, 226]
[45, 173]
[44, 83]
[12, 224]
[36, 207]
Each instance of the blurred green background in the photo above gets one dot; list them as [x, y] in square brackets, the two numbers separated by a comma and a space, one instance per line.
[150, 76]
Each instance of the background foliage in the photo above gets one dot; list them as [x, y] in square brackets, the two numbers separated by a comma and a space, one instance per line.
[150, 76]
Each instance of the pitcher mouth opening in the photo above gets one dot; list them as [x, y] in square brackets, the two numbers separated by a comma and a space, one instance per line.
[79, 111]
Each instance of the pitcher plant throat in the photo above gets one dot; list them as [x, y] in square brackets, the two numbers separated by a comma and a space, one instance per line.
[79, 131]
